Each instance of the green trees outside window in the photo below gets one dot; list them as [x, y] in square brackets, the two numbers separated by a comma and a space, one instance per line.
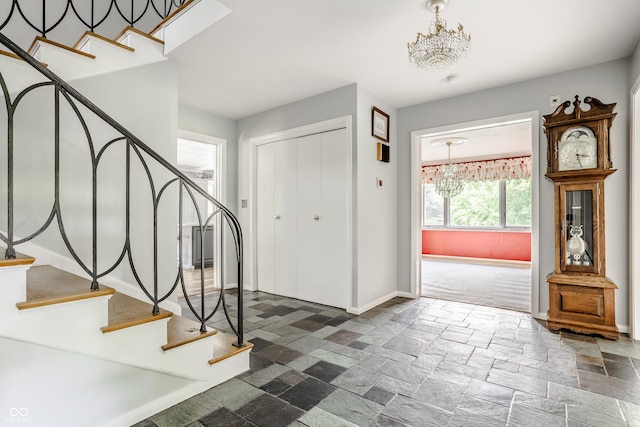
[482, 204]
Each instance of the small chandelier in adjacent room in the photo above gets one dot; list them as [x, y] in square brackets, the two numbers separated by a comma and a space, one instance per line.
[448, 182]
[441, 47]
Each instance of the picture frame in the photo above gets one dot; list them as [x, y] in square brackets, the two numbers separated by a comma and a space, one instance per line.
[380, 124]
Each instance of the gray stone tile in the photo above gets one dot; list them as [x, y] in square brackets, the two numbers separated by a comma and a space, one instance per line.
[463, 418]
[439, 393]
[390, 354]
[306, 344]
[318, 417]
[518, 382]
[490, 392]
[186, 412]
[267, 411]
[357, 380]
[415, 413]
[452, 346]
[384, 421]
[397, 386]
[629, 391]
[404, 372]
[303, 362]
[631, 413]
[585, 399]
[233, 394]
[541, 403]
[526, 416]
[406, 345]
[325, 332]
[427, 362]
[591, 418]
[351, 407]
[484, 408]
[263, 376]
[375, 337]
[335, 358]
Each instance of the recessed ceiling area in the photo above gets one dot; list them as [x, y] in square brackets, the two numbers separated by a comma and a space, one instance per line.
[497, 141]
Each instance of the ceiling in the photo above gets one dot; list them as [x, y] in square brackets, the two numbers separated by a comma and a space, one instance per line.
[495, 141]
[268, 53]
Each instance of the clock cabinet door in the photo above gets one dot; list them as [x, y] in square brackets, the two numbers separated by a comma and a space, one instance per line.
[579, 239]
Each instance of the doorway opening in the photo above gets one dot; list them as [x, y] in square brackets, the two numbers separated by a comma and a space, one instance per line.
[199, 158]
[479, 246]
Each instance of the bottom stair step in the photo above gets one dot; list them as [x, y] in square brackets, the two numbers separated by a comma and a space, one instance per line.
[223, 347]
[182, 331]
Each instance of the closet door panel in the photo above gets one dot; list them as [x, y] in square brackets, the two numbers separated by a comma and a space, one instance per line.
[265, 259]
[310, 218]
[333, 243]
[285, 219]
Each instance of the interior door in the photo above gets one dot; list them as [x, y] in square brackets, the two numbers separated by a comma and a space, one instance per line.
[265, 238]
[334, 239]
[285, 219]
[310, 218]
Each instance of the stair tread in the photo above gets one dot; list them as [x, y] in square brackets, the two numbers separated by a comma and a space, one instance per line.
[181, 330]
[89, 34]
[60, 46]
[136, 31]
[20, 259]
[223, 347]
[48, 285]
[126, 311]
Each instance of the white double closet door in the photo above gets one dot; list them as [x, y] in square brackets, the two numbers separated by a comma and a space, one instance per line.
[302, 218]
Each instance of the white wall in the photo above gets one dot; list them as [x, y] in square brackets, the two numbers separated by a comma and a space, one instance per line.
[337, 103]
[143, 100]
[634, 199]
[607, 82]
[376, 209]
[374, 270]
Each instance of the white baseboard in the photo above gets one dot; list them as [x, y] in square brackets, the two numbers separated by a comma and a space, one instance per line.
[366, 307]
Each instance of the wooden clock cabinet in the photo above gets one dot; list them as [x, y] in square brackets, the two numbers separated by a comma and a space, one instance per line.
[581, 297]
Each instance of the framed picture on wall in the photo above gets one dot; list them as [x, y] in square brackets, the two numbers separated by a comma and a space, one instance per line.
[380, 124]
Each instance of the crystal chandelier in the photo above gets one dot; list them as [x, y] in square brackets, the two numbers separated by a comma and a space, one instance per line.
[441, 47]
[448, 183]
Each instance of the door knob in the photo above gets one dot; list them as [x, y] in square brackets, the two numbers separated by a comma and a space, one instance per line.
[316, 217]
[277, 217]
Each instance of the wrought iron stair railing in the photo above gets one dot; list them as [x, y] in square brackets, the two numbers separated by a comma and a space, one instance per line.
[160, 186]
[48, 15]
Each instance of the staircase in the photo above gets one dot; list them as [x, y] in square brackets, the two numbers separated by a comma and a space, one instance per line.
[133, 354]
[49, 307]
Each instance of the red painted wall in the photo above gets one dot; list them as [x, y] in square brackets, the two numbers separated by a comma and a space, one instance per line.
[511, 245]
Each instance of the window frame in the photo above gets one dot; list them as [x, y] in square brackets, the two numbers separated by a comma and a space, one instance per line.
[502, 215]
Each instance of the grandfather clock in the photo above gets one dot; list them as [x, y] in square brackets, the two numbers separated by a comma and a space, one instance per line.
[581, 297]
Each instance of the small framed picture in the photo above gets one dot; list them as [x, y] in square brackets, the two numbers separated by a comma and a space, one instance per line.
[380, 124]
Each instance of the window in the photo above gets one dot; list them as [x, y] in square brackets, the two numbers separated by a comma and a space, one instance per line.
[482, 204]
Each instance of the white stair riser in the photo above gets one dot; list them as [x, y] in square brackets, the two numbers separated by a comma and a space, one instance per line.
[66, 326]
[12, 286]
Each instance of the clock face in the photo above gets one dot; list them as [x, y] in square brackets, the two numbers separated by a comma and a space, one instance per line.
[577, 149]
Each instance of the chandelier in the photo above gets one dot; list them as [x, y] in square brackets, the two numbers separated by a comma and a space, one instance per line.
[448, 183]
[441, 47]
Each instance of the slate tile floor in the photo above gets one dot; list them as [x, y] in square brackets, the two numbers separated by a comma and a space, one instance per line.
[420, 362]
